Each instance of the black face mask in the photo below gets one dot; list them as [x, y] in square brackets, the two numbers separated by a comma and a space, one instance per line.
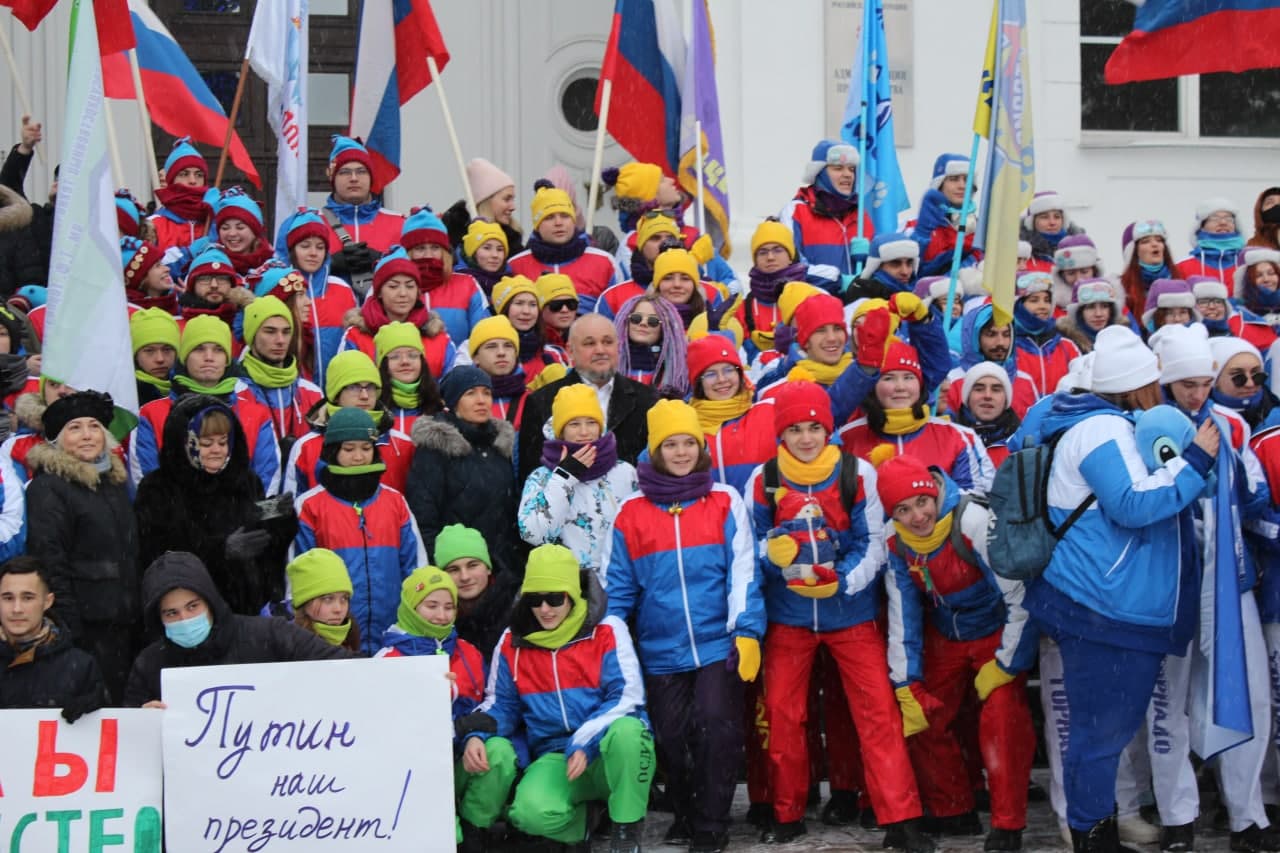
[1271, 215]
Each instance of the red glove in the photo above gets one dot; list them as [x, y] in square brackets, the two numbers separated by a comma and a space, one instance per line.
[873, 338]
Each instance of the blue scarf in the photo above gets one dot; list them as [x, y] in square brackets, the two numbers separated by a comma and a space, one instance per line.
[355, 214]
[1026, 323]
[890, 282]
[1151, 272]
[1053, 238]
[1217, 250]
[1216, 328]
[1261, 301]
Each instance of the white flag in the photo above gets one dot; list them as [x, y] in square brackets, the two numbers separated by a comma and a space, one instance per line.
[277, 51]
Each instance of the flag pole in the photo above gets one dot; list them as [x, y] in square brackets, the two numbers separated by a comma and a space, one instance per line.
[17, 84]
[606, 92]
[113, 145]
[453, 133]
[868, 14]
[231, 120]
[965, 207]
[153, 170]
[702, 207]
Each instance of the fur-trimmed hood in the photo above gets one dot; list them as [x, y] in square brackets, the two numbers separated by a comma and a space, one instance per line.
[30, 411]
[355, 320]
[53, 460]
[444, 434]
[15, 211]
[1071, 330]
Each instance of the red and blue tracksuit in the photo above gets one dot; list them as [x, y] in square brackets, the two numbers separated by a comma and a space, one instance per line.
[255, 420]
[369, 223]
[439, 350]
[460, 303]
[302, 470]
[593, 272]
[174, 231]
[1214, 263]
[742, 444]
[378, 541]
[936, 235]
[288, 406]
[1046, 362]
[822, 241]
[465, 662]
[947, 618]
[955, 449]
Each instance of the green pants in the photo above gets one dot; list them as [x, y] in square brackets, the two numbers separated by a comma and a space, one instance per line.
[481, 797]
[547, 804]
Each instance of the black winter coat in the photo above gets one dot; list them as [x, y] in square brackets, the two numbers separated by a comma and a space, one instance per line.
[234, 638]
[482, 624]
[180, 508]
[58, 676]
[627, 419]
[26, 229]
[462, 474]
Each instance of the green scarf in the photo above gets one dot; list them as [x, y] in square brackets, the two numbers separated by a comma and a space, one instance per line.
[565, 631]
[408, 619]
[163, 385]
[224, 387]
[356, 470]
[405, 394]
[330, 409]
[268, 375]
[334, 635]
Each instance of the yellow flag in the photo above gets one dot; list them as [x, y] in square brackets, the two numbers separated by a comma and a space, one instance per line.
[982, 116]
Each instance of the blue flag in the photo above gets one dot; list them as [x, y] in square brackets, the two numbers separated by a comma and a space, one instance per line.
[883, 195]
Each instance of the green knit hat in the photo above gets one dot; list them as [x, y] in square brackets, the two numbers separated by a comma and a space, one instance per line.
[457, 541]
[421, 583]
[315, 573]
[552, 568]
[350, 424]
[349, 367]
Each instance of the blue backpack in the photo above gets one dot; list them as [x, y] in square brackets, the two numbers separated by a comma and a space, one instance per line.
[1020, 536]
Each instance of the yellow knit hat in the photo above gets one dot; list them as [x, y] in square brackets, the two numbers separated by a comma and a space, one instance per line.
[552, 568]
[315, 573]
[729, 325]
[673, 417]
[395, 335]
[153, 326]
[638, 180]
[507, 288]
[490, 328]
[575, 401]
[259, 310]
[793, 293]
[674, 260]
[349, 368]
[773, 231]
[204, 329]
[865, 305]
[549, 200]
[480, 231]
[655, 224]
[552, 286]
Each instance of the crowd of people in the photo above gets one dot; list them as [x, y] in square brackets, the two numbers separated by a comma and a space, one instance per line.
[669, 523]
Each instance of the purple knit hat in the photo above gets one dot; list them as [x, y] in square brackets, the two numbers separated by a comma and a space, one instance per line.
[1168, 293]
[1075, 251]
[1135, 231]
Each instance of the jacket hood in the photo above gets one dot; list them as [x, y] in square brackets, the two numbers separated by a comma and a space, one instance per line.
[174, 453]
[949, 493]
[179, 570]
[52, 460]
[445, 434]
[29, 408]
[15, 211]
[1067, 410]
[522, 621]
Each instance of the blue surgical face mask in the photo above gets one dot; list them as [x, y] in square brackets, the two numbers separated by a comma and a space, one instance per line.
[189, 633]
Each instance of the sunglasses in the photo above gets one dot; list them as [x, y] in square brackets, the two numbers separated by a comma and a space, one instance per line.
[650, 320]
[1241, 379]
[557, 305]
[534, 600]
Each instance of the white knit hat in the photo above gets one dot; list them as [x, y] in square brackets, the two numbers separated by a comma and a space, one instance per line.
[1207, 207]
[1210, 288]
[1226, 347]
[1122, 362]
[983, 370]
[1079, 374]
[1043, 202]
[486, 179]
[1184, 353]
[1024, 250]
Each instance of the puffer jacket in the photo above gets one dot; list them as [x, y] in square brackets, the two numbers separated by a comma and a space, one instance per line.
[26, 229]
[558, 507]
[52, 674]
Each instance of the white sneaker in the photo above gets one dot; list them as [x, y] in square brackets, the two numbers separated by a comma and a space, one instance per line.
[1135, 830]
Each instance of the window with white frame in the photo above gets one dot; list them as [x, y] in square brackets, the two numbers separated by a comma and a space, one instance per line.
[1200, 106]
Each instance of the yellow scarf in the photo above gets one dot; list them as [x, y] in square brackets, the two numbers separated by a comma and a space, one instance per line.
[825, 374]
[762, 339]
[903, 421]
[808, 473]
[712, 414]
[923, 545]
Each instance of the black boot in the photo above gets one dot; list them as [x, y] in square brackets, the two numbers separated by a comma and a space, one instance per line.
[706, 841]
[966, 823]
[474, 839]
[1102, 837]
[759, 815]
[679, 833]
[625, 837]
[908, 835]
[1002, 840]
[783, 833]
[1178, 839]
[841, 809]
[1255, 839]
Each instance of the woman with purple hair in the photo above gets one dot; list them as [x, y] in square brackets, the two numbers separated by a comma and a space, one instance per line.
[655, 347]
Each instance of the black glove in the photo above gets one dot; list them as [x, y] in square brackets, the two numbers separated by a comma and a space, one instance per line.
[476, 721]
[77, 706]
[358, 257]
[280, 506]
[247, 544]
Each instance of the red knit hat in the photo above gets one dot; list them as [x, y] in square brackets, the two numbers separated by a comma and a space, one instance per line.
[799, 401]
[817, 311]
[713, 349]
[394, 262]
[902, 478]
[900, 356]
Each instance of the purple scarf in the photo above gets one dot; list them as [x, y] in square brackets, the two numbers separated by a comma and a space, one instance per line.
[509, 386]
[665, 489]
[835, 206]
[484, 278]
[766, 287]
[606, 456]
[641, 269]
[530, 343]
[685, 310]
[546, 253]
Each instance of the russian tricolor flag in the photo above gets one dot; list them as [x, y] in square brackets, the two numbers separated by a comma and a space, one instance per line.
[386, 80]
[177, 96]
[1172, 38]
[645, 61]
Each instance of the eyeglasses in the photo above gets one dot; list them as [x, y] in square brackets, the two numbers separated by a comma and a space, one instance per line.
[534, 600]
[357, 172]
[363, 388]
[1219, 218]
[558, 305]
[1210, 300]
[773, 249]
[650, 320]
[723, 373]
[1241, 379]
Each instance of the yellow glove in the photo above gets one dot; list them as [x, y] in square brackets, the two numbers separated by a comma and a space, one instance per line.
[913, 718]
[782, 551]
[748, 657]
[908, 306]
[703, 250]
[989, 678]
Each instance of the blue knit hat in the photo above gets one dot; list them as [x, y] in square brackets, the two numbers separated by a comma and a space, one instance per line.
[278, 280]
[183, 156]
[305, 223]
[128, 214]
[137, 259]
[947, 165]
[234, 204]
[212, 261]
[424, 227]
[460, 380]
